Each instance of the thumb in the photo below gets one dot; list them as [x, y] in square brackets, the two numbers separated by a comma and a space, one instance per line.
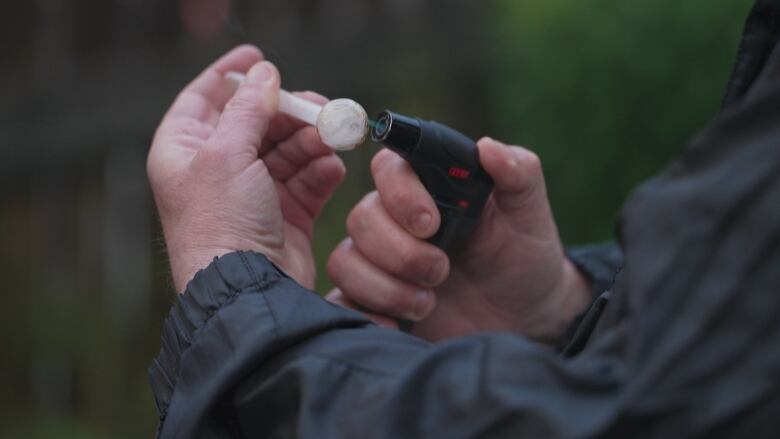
[244, 122]
[517, 173]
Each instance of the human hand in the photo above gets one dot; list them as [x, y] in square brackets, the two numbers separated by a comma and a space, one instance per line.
[228, 173]
[512, 275]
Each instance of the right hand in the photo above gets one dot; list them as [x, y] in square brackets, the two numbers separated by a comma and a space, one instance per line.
[512, 275]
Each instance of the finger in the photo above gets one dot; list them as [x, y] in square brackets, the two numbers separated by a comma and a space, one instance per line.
[313, 185]
[289, 156]
[244, 121]
[337, 297]
[303, 196]
[403, 195]
[371, 288]
[391, 248]
[283, 126]
[205, 97]
[516, 171]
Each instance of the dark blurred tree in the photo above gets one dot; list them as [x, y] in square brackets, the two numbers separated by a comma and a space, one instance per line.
[607, 91]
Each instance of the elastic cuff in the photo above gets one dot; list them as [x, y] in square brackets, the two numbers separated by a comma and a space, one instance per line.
[211, 289]
[600, 264]
[579, 332]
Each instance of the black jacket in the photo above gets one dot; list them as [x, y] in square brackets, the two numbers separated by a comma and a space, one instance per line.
[685, 343]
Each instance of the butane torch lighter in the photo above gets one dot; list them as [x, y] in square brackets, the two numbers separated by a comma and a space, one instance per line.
[447, 163]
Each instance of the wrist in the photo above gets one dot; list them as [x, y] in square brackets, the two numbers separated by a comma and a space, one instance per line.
[567, 300]
[184, 265]
[186, 257]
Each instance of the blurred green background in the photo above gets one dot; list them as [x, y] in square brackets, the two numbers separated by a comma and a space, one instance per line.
[605, 91]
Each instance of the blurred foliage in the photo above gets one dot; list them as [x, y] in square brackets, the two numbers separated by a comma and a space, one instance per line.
[607, 91]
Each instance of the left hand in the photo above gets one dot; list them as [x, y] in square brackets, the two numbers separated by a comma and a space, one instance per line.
[228, 173]
[511, 275]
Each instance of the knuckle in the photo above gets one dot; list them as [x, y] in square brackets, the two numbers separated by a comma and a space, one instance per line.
[411, 262]
[396, 301]
[380, 160]
[529, 161]
[357, 219]
[403, 302]
[249, 104]
[240, 104]
[404, 207]
[422, 266]
[398, 197]
[440, 269]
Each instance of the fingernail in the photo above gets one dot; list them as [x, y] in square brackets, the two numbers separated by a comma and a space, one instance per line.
[261, 72]
[422, 222]
[435, 273]
[422, 305]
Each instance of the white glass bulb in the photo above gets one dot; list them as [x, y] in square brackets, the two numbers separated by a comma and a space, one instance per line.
[342, 124]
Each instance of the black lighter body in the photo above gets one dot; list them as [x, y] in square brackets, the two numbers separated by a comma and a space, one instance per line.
[447, 163]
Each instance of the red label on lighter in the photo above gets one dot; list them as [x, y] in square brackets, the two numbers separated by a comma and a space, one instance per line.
[459, 173]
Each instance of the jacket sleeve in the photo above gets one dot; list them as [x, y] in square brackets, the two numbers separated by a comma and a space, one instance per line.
[600, 263]
[248, 352]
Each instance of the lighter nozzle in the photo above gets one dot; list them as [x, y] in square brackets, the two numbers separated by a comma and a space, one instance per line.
[382, 126]
[398, 132]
